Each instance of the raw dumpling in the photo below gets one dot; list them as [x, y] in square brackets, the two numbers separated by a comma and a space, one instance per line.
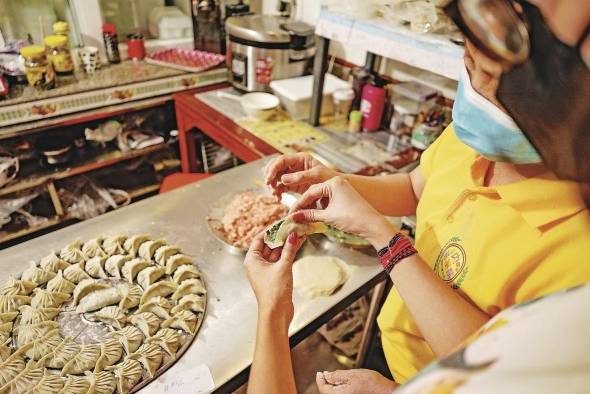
[5, 350]
[167, 339]
[25, 380]
[10, 303]
[36, 274]
[114, 264]
[149, 275]
[18, 287]
[63, 353]
[176, 261]
[92, 248]
[190, 286]
[31, 315]
[60, 284]
[131, 295]
[184, 320]
[164, 252]
[150, 356]
[76, 385]
[132, 268]
[159, 306]
[75, 273]
[130, 337]
[276, 234]
[29, 333]
[48, 299]
[53, 263]
[49, 384]
[44, 345]
[133, 243]
[95, 267]
[147, 322]
[148, 248]
[99, 299]
[8, 316]
[128, 373]
[192, 302]
[158, 289]
[101, 382]
[111, 351]
[112, 315]
[72, 253]
[83, 361]
[10, 368]
[185, 272]
[5, 331]
[114, 245]
[86, 287]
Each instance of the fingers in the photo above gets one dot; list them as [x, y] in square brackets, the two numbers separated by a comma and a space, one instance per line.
[314, 193]
[323, 386]
[290, 249]
[338, 377]
[309, 216]
[275, 255]
[257, 245]
[287, 162]
[299, 178]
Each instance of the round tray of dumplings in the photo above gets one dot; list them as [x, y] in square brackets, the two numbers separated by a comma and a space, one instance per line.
[105, 316]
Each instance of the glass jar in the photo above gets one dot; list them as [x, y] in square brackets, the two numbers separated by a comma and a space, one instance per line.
[61, 28]
[59, 54]
[39, 71]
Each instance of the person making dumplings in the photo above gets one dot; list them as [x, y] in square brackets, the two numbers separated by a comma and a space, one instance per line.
[497, 223]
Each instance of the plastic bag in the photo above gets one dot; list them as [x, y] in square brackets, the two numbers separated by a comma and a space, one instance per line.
[12, 205]
[83, 199]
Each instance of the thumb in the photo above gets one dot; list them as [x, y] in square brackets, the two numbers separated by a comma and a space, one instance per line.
[323, 386]
[338, 377]
[290, 249]
[297, 178]
[309, 216]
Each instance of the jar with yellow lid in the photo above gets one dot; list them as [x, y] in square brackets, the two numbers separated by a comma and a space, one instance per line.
[39, 71]
[61, 28]
[59, 54]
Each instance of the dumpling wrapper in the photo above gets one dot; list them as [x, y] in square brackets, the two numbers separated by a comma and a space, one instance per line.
[317, 276]
[276, 234]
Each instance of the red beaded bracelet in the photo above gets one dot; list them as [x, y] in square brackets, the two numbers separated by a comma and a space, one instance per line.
[398, 249]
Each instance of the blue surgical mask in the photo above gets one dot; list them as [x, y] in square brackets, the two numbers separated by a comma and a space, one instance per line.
[487, 129]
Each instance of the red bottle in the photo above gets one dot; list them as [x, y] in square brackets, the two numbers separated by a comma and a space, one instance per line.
[372, 105]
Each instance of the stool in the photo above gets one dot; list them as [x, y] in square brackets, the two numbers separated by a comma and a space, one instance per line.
[180, 179]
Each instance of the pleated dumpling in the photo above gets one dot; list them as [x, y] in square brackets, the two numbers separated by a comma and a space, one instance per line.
[7, 317]
[72, 253]
[191, 302]
[76, 385]
[184, 320]
[149, 275]
[60, 284]
[95, 267]
[176, 261]
[128, 373]
[169, 340]
[150, 356]
[5, 331]
[18, 287]
[147, 322]
[114, 245]
[31, 315]
[111, 351]
[5, 350]
[130, 337]
[36, 274]
[11, 367]
[112, 315]
[99, 299]
[27, 334]
[103, 382]
[190, 286]
[53, 263]
[11, 303]
[75, 273]
[85, 360]
[133, 243]
[130, 295]
[93, 248]
[158, 289]
[185, 272]
[114, 264]
[86, 287]
[25, 380]
[44, 298]
[148, 248]
[132, 267]
[164, 252]
[49, 384]
[64, 352]
[44, 345]
[159, 306]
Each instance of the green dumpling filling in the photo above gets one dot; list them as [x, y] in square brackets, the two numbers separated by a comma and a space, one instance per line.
[277, 233]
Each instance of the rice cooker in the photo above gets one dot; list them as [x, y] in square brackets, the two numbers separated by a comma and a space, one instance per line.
[263, 48]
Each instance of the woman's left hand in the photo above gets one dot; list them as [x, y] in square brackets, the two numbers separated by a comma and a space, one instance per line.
[354, 381]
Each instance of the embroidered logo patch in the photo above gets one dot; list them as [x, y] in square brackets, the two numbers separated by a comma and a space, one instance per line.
[451, 264]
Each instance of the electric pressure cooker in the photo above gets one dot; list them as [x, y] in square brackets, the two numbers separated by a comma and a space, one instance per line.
[263, 48]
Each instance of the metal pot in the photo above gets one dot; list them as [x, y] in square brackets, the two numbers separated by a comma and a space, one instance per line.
[263, 48]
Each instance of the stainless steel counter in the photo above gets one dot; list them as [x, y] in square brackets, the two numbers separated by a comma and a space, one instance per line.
[225, 342]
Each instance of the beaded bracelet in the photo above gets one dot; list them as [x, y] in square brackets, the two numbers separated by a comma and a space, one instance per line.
[399, 248]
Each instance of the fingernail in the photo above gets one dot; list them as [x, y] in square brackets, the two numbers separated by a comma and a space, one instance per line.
[298, 217]
[292, 239]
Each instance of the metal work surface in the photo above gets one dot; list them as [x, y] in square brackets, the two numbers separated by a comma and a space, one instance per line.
[225, 342]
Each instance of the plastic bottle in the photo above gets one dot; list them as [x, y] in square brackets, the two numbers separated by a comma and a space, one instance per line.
[372, 104]
[111, 43]
[355, 121]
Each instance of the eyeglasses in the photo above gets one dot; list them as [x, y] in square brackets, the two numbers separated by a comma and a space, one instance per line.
[497, 27]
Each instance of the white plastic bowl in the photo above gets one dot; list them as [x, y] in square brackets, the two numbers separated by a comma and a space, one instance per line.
[259, 105]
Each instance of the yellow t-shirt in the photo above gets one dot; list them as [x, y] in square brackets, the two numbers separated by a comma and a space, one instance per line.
[496, 246]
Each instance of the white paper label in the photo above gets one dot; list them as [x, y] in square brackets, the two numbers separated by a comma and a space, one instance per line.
[197, 380]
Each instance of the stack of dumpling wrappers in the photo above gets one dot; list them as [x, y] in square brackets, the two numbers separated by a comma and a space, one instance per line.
[150, 296]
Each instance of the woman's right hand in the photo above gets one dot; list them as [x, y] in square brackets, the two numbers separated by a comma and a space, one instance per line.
[295, 173]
